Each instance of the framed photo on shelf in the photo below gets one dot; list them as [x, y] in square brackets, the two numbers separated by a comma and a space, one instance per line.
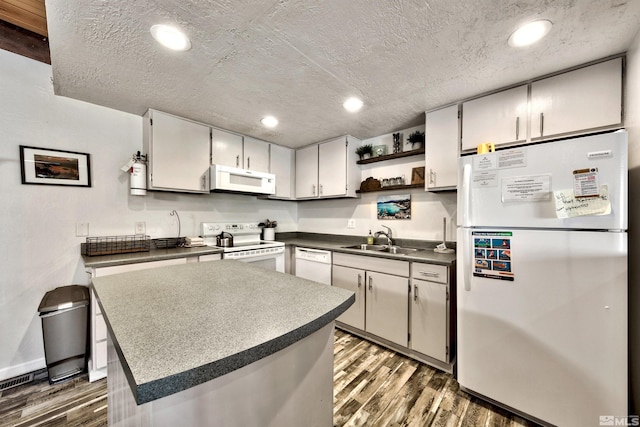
[379, 150]
[417, 175]
[48, 166]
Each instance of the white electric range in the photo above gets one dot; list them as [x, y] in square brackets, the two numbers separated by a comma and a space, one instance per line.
[247, 245]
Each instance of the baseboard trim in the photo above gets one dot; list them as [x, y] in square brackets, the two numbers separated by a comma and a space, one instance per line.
[23, 368]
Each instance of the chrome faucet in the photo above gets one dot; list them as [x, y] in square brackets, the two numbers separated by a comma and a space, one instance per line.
[388, 235]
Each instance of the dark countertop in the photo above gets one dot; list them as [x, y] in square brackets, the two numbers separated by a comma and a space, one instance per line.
[152, 255]
[336, 243]
[179, 326]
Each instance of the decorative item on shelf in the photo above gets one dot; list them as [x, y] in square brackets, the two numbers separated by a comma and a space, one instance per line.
[370, 184]
[364, 151]
[416, 139]
[397, 145]
[379, 150]
[268, 229]
[417, 175]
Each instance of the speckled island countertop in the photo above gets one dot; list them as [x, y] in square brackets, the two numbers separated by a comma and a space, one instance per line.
[179, 326]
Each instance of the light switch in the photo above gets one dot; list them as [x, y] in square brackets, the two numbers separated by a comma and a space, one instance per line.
[351, 223]
[141, 227]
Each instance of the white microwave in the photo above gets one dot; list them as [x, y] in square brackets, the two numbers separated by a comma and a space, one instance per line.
[226, 178]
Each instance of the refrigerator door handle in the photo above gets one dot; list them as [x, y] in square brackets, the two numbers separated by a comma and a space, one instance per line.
[467, 259]
[466, 194]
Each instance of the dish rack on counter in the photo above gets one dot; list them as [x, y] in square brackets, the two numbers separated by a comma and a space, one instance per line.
[110, 245]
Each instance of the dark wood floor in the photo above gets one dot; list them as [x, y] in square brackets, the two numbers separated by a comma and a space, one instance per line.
[373, 386]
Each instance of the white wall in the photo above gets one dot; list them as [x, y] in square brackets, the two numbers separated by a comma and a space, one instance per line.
[427, 209]
[632, 123]
[37, 230]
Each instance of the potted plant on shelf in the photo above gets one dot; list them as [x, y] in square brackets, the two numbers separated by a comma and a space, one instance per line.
[364, 151]
[268, 229]
[416, 139]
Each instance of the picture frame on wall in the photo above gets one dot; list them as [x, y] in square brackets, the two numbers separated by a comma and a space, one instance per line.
[47, 166]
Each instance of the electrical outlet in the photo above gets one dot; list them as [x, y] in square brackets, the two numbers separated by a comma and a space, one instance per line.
[82, 229]
[351, 223]
[141, 227]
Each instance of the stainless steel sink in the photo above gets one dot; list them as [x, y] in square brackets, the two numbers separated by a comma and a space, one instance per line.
[398, 250]
[366, 247]
[383, 248]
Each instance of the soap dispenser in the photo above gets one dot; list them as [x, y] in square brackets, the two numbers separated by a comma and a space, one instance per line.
[370, 238]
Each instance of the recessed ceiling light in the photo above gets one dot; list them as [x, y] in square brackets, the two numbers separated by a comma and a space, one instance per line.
[170, 37]
[269, 121]
[352, 104]
[530, 33]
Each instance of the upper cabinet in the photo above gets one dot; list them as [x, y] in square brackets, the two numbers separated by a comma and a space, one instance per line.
[500, 118]
[441, 149]
[584, 99]
[240, 152]
[179, 152]
[282, 165]
[226, 149]
[327, 169]
[256, 154]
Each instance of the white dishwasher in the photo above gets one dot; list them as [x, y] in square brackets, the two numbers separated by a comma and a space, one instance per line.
[314, 264]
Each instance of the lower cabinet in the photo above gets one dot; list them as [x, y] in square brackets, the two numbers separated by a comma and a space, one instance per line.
[98, 330]
[404, 305]
[387, 307]
[382, 288]
[351, 279]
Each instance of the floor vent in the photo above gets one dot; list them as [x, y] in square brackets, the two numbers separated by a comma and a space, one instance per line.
[16, 381]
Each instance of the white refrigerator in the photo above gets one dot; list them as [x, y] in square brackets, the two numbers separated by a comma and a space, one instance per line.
[542, 279]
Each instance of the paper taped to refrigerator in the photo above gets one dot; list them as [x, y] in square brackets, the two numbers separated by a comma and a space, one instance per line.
[569, 206]
[535, 188]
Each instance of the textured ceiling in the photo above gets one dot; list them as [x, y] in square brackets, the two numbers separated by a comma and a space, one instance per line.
[299, 60]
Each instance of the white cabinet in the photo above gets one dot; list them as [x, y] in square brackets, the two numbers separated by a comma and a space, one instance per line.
[256, 154]
[282, 163]
[387, 307]
[441, 149]
[588, 98]
[430, 310]
[307, 172]
[351, 279]
[226, 148]
[500, 118]
[178, 151]
[236, 151]
[98, 330]
[382, 295]
[328, 169]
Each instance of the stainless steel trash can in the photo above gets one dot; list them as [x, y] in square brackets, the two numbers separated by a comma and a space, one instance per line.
[64, 314]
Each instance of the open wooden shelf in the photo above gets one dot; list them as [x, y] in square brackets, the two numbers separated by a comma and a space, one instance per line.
[391, 156]
[393, 188]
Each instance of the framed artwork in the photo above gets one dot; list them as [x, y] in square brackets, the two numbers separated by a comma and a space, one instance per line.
[379, 150]
[394, 207]
[54, 167]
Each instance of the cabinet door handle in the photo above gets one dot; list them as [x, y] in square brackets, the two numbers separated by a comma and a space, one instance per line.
[517, 127]
[238, 161]
[248, 162]
[541, 124]
[320, 193]
[415, 293]
[370, 283]
[313, 190]
[204, 181]
[432, 177]
[429, 273]
[359, 281]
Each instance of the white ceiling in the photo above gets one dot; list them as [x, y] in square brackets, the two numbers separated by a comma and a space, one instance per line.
[299, 60]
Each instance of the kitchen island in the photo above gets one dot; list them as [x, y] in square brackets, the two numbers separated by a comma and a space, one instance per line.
[219, 343]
